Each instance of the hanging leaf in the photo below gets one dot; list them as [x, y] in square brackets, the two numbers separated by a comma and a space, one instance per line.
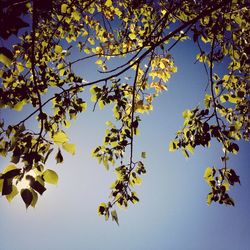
[143, 155]
[114, 216]
[59, 157]
[50, 176]
[60, 138]
[7, 186]
[70, 148]
[26, 196]
[34, 199]
[36, 185]
[14, 192]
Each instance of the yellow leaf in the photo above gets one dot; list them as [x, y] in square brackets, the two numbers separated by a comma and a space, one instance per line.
[99, 62]
[186, 114]
[208, 175]
[50, 176]
[209, 198]
[132, 36]
[13, 193]
[19, 106]
[76, 15]
[108, 3]
[87, 50]
[91, 41]
[9, 168]
[5, 60]
[64, 8]
[91, 10]
[70, 148]
[20, 67]
[172, 146]
[58, 49]
[66, 124]
[60, 138]
[118, 12]
[101, 104]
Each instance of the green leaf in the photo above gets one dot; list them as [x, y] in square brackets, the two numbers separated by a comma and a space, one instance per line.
[114, 216]
[143, 155]
[70, 148]
[50, 176]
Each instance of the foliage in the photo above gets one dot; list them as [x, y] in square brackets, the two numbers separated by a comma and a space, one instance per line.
[37, 71]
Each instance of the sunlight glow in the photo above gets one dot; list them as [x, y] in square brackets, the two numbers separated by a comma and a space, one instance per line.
[24, 183]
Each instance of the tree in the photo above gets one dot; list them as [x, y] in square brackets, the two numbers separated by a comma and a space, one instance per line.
[38, 71]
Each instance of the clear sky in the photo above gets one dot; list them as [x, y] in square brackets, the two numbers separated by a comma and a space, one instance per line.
[172, 212]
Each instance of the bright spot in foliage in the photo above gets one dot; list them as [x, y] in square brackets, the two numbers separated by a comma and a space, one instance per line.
[24, 183]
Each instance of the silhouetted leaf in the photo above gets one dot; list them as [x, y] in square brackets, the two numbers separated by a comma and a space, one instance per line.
[27, 197]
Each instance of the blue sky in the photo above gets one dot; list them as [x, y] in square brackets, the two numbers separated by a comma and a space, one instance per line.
[172, 212]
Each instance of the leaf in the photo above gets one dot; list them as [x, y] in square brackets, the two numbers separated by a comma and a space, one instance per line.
[210, 198]
[58, 49]
[185, 153]
[102, 208]
[50, 176]
[14, 192]
[132, 36]
[8, 168]
[64, 8]
[172, 146]
[26, 196]
[208, 173]
[143, 155]
[101, 104]
[99, 62]
[60, 138]
[6, 56]
[34, 199]
[76, 15]
[108, 3]
[36, 185]
[1, 185]
[19, 105]
[70, 148]
[114, 216]
[47, 155]
[11, 173]
[7, 186]
[59, 157]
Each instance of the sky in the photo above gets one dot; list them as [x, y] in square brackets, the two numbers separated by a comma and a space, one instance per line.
[172, 212]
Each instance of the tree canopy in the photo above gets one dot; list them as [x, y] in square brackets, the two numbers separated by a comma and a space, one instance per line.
[130, 42]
